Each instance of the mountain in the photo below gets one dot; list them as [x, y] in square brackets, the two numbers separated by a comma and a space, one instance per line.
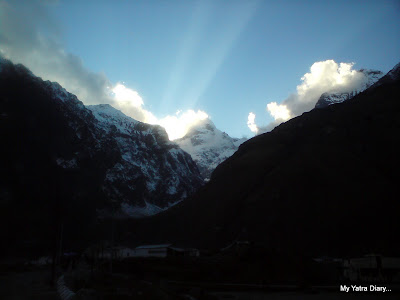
[153, 171]
[391, 76]
[208, 146]
[323, 183]
[83, 163]
[329, 98]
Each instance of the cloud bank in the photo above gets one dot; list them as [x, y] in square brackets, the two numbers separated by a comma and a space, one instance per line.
[324, 76]
[28, 35]
[22, 40]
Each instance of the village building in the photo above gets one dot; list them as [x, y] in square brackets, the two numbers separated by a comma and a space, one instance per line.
[164, 250]
[161, 250]
[372, 268]
[117, 252]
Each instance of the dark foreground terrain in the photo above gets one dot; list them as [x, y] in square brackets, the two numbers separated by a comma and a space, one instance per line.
[323, 183]
[21, 281]
[215, 277]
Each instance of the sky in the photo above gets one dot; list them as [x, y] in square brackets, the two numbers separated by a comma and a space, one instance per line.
[247, 65]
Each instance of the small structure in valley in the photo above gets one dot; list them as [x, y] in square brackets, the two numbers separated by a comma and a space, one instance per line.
[161, 251]
[372, 268]
[164, 250]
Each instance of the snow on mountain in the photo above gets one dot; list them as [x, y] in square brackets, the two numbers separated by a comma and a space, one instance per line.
[132, 165]
[208, 146]
[395, 72]
[149, 163]
[108, 116]
[326, 99]
[372, 76]
[392, 75]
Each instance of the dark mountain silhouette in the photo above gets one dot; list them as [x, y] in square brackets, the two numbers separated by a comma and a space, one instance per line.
[390, 77]
[63, 164]
[323, 183]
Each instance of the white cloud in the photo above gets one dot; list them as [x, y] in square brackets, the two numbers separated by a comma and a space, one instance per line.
[177, 126]
[324, 76]
[131, 104]
[279, 112]
[251, 123]
[22, 24]
[21, 41]
[127, 96]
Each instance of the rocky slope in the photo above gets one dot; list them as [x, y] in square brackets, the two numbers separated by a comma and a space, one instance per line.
[154, 172]
[208, 146]
[391, 76]
[60, 155]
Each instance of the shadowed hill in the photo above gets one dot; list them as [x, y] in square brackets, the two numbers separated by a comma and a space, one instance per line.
[63, 165]
[322, 183]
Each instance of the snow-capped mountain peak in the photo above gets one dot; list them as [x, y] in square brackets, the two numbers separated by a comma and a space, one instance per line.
[131, 166]
[108, 116]
[208, 146]
[371, 76]
[329, 98]
[147, 153]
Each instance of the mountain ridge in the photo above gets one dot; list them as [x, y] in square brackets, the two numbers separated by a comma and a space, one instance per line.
[329, 98]
[323, 183]
[208, 146]
[134, 163]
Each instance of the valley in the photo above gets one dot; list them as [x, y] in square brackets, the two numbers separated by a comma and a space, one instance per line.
[269, 220]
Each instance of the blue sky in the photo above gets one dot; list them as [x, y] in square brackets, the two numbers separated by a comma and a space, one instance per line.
[226, 58]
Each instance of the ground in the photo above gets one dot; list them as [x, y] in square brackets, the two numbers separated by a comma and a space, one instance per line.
[168, 279]
[31, 283]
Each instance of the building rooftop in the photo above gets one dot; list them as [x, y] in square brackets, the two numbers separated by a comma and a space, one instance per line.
[153, 246]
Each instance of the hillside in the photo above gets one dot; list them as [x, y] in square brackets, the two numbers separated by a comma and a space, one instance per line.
[323, 183]
[66, 165]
